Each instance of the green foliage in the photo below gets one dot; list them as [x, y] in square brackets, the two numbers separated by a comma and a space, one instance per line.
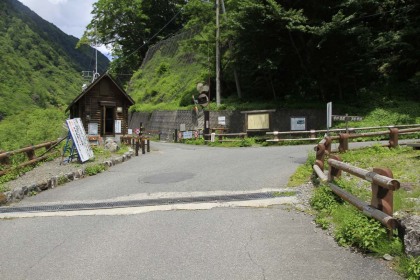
[62, 180]
[322, 222]
[130, 27]
[287, 52]
[31, 127]
[169, 78]
[40, 67]
[355, 229]
[324, 200]
[99, 151]
[198, 141]
[410, 267]
[95, 169]
[13, 174]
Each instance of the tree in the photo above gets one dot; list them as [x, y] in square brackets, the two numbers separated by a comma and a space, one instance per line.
[129, 27]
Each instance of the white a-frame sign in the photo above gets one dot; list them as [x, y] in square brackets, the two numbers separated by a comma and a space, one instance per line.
[80, 139]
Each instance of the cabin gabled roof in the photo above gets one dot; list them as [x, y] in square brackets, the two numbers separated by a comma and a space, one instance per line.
[95, 82]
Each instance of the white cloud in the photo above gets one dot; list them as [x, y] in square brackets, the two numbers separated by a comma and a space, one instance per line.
[71, 17]
[58, 1]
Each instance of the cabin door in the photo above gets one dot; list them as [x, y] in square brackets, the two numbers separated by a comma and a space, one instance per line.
[108, 120]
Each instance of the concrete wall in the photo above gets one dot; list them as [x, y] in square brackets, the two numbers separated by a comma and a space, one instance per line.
[168, 121]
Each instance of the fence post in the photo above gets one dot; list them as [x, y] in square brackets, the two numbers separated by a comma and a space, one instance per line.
[137, 146]
[320, 156]
[393, 137]
[332, 171]
[31, 154]
[383, 198]
[344, 142]
[327, 144]
[143, 150]
[148, 145]
[312, 133]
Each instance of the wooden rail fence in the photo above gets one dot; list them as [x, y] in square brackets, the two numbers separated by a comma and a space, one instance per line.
[5, 157]
[351, 132]
[382, 183]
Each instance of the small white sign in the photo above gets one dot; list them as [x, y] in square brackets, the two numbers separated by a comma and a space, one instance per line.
[117, 126]
[130, 131]
[298, 123]
[182, 127]
[92, 128]
[329, 115]
[187, 135]
[221, 120]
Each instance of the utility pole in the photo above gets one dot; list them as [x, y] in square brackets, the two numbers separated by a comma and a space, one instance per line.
[217, 53]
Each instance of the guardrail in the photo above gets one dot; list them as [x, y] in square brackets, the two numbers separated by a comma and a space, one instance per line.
[32, 158]
[350, 131]
[382, 182]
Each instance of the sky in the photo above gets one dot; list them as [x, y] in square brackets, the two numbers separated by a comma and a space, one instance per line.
[71, 16]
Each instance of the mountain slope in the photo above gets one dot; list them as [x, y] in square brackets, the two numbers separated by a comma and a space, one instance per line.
[39, 65]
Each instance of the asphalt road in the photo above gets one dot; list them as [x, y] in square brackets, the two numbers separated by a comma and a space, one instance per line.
[220, 243]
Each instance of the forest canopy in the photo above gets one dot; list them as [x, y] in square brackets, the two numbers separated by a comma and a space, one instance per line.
[281, 49]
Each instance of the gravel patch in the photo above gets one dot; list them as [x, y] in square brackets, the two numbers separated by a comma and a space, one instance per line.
[46, 175]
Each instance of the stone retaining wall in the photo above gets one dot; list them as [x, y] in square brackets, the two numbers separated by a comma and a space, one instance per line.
[167, 121]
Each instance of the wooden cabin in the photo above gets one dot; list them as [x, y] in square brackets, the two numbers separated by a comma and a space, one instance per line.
[103, 108]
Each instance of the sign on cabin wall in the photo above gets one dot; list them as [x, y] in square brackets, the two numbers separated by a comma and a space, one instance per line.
[93, 129]
[80, 139]
[258, 121]
[117, 126]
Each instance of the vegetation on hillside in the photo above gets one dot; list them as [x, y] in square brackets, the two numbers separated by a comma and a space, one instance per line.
[40, 66]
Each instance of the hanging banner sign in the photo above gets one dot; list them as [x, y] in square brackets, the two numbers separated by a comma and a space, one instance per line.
[80, 139]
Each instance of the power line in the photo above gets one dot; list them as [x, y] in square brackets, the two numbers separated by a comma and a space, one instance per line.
[154, 36]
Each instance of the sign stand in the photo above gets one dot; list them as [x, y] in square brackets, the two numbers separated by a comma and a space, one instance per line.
[68, 148]
[79, 139]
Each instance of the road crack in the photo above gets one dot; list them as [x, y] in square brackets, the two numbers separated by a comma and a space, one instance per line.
[251, 238]
[42, 258]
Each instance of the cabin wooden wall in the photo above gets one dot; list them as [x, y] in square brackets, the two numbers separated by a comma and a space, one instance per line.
[92, 104]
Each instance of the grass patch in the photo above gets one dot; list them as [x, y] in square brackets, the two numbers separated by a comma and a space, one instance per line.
[95, 169]
[303, 172]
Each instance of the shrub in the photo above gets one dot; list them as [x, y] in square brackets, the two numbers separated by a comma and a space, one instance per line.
[355, 229]
[94, 169]
[323, 200]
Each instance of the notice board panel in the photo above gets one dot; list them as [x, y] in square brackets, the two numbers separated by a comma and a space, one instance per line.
[258, 121]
